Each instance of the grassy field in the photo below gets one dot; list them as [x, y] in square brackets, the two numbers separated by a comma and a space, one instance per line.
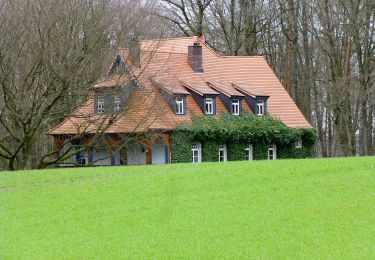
[305, 209]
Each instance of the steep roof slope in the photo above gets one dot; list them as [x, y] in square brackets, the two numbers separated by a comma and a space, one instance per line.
[165, 63]
[167, 60]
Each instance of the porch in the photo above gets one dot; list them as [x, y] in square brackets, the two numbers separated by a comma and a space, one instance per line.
[113, 150]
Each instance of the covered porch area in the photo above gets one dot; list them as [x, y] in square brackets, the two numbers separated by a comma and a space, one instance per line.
[113, 149]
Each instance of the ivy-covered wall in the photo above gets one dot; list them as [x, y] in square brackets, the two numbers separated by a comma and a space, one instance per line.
[180, 147]
[237, 132]
[210, 151]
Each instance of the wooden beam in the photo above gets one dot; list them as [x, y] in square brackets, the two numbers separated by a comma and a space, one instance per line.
[57, 141]
[166, 140]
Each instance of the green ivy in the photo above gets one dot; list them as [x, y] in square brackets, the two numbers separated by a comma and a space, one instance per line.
[180, 146]
[210, 151]
[237, 132]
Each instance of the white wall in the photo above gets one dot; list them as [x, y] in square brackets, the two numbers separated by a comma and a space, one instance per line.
[102, 157]
[158, 152]
[136, 155]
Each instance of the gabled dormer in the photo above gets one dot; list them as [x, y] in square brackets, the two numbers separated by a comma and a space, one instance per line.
[230, 97]
[203, 95]
[256, 100]
[180, 104]
[119, 65]
[112, 93]
[174, 95]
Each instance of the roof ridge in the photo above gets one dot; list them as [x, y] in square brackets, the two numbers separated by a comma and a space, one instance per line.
[171, 39]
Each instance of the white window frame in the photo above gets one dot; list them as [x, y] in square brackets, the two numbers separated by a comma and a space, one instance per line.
[223, 148]
[298, 143]
[196, 158]
[260, 107]
[180, 106]
[236, 107]
[272, 148]
[100, 105]
[249, 150]
[117, 104]
[209, 106]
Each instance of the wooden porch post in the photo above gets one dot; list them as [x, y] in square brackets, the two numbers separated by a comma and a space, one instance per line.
[166, 140]
[57, 141]
[148, 152]
[111, 141]
[87, 141]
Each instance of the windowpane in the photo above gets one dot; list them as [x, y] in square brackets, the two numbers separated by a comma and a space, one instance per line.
[222, 153]
[249, 152]
[235, 107]
[272, 152]
[100, 105]
[260, 107]
[117, 105]
[179, 105]
[209, 106]
[195, 151]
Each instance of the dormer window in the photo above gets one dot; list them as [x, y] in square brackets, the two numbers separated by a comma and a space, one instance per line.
[180, 106]
[209, 106]
[117, 104]
[236, 107]
[100, 105]
[260, 107]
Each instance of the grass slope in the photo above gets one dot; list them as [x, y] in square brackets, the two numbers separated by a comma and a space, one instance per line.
[306, 209]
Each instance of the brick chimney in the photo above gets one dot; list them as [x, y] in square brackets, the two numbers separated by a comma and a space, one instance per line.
[195, 57]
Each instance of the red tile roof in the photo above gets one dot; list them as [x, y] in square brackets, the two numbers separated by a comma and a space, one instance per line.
[111, 81]
[200, 88]
[248, 90]
[225, 88]
[164, 63]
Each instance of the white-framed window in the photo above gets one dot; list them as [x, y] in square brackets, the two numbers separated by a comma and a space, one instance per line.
[196, 152]
[180, 106]
[117, 104]
[298, 143]
[260, 107]
[272, 152]
[209, 109]
[249, 152]
[236, 107]
[222, 153]
[100, 105]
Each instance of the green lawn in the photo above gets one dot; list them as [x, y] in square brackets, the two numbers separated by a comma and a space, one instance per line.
[305, 209]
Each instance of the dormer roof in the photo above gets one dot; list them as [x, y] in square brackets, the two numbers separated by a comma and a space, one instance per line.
[114, 80]
[225, 88]
[201, 88]
[248, 90]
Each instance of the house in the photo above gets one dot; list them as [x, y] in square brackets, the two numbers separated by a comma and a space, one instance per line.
[137, 106]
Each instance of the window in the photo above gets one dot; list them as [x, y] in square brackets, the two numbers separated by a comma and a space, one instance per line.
[180, 106]
[272, 152]
[209, 106]
[236, 107]
[196, 153]
[222, 153]
[260, 107]
[249, 153]
[298, 144]
[100, 105]
[117, 105]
